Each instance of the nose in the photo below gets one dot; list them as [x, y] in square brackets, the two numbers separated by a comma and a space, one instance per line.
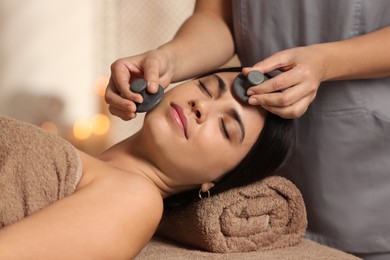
[204, 109]
[199, 109]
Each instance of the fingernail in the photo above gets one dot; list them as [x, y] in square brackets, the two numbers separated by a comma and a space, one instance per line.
[131, 108]
[139, 99]
[252, 101]
[250, 92]
[153, 86]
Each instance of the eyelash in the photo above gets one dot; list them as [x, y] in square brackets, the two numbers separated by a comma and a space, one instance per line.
[223, 127]
[202, 86]
[222, 122]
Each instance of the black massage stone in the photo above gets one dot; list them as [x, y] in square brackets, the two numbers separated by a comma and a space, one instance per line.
[150, 100]
[242, 83]
[256, 78]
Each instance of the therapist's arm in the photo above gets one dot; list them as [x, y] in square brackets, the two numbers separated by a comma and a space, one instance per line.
[204, 42]
[363, 57]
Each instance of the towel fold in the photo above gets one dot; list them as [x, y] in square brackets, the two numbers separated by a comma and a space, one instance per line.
[36, 169]
[265, 215]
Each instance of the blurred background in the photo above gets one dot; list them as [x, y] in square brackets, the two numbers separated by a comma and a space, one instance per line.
[55, 59]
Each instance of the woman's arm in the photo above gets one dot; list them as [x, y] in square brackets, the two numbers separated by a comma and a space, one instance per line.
[111, 218]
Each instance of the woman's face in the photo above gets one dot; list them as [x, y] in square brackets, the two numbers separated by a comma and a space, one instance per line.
[201, 131]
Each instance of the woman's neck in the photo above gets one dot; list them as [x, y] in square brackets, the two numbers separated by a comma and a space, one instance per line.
[131, 155]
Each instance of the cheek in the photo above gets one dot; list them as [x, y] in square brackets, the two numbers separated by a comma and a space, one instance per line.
[159, 132]
[217, 154]
[178, 92]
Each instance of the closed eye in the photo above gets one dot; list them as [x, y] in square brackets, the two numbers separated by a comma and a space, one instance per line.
[223, 129]
[204, 89]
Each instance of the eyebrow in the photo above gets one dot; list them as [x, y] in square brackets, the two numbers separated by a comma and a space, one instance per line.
[236, 116]
[221, 84]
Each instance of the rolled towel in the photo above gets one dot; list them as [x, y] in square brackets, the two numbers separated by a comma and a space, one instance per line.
[265, 215]
[36, 169]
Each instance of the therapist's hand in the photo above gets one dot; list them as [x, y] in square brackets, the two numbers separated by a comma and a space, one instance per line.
[290, 93]
[153, 66]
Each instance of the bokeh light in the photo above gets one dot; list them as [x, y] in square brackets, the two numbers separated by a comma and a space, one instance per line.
[82, 129]
[100, 124]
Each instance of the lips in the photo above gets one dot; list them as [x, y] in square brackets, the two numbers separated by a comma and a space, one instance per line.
[179, 117]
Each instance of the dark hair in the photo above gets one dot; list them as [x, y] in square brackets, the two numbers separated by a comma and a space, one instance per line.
[266, 157]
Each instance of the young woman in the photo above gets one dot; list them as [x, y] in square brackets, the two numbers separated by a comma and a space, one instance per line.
[200, 137]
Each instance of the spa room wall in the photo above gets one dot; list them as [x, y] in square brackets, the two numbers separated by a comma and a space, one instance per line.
[55, 59]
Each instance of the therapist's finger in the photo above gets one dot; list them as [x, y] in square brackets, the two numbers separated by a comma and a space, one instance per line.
[114, 99]
[280, 60]
[278, 83]
[120, 79]
[124, 115]
[120, 76]
[284, 98]
[152, 74]
[293, 111]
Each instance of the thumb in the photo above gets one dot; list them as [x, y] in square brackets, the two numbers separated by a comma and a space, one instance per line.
[152, 75]
[269, 64]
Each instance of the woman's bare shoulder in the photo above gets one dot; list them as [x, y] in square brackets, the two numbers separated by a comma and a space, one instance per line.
[98, 176]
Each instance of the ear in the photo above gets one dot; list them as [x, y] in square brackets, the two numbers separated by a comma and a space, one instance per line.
[207, 186]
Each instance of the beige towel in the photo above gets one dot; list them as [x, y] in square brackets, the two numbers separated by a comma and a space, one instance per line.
[36, 169]
[262, 216]
[161, 249]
